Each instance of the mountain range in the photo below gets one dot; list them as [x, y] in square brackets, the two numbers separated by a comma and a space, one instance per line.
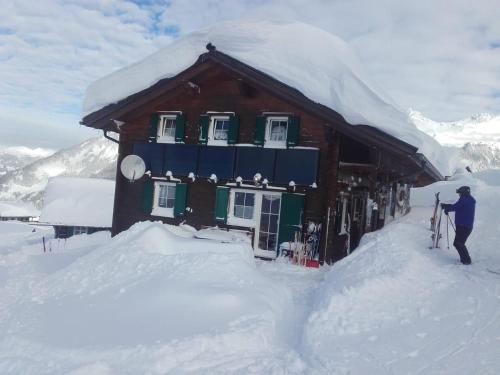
[95, 157]
[472, 142]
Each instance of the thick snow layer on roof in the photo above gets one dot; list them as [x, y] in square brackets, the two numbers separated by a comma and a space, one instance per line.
[78, 201]
[315, 62]
[18, 209]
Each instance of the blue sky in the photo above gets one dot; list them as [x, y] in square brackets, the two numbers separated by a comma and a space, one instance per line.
[438, 57]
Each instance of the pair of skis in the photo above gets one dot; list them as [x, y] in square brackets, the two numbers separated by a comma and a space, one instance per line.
[436, 223]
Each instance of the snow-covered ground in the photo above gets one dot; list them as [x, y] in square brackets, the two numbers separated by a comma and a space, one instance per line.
[158, 300]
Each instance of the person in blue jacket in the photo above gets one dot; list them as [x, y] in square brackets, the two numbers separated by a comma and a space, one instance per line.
[464, 210]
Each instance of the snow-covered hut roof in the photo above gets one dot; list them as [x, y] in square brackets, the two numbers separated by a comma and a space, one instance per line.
[78, 201]
[317, 63]
[18, 209]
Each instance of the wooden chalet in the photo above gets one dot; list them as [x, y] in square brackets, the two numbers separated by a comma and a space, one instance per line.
[77, 205]
[230, 146]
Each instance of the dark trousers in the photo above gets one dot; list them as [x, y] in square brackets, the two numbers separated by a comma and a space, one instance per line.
[459, 243]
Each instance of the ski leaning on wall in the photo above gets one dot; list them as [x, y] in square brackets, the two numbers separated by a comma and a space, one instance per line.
[436, 223]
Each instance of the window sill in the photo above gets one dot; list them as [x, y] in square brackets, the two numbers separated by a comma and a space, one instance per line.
[212, 142]
[236, 221]
[165, 140]
[275, 144]
[162, 211]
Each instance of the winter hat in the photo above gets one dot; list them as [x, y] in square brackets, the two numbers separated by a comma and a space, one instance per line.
[465, 190]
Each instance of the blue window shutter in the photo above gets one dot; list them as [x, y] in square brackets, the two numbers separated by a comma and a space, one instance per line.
[221, 202]
[260, 130]
[147, 196]
[234, 128]
[180, 199]
[153, 126]
[180, 126]
[204, 122]
[292, 135]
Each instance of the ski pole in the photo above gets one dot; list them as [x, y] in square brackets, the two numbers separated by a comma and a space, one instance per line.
[447, 233]
[452, 225]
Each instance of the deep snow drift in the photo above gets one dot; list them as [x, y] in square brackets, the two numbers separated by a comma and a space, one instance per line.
[396, 307]
[157, 300]
[318, 64]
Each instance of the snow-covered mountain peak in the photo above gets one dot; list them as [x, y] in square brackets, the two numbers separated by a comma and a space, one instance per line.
[479, 128]
[473, 142]
[95, 157]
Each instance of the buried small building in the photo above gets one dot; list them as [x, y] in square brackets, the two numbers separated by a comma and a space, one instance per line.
[271, 130]
[77, 205]
[18, 211]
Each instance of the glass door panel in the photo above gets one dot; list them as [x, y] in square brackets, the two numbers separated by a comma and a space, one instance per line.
[269, 220]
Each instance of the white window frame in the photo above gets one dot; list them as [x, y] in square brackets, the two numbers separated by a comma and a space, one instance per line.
[255, 222]
[211, 131]
[238, 221]
[162, 211]
[275, 144]
[165, 138]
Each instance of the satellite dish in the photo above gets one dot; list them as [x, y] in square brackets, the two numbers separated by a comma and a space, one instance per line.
[132, 167]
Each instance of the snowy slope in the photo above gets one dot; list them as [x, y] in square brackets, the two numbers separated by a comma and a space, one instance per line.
[156, 300]
[473, 142]
[95, 157]
[315, 62]
[396, 307]
[12, 158]
[151, 300]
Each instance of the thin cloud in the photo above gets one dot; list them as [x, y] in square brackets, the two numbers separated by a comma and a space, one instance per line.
[439, 57]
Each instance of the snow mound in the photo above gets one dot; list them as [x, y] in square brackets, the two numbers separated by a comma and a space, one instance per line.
[78, 201]
[161, 300]
[315, 62]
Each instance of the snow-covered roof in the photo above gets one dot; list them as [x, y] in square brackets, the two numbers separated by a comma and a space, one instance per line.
[18, 209]
[315, 62]
[78, 201]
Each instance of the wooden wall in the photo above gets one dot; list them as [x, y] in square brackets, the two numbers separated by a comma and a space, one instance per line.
[214, 91]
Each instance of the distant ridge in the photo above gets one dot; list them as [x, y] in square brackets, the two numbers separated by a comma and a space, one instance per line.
[95, 157]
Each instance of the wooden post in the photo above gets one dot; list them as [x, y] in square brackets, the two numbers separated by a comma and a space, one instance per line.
[331, 197]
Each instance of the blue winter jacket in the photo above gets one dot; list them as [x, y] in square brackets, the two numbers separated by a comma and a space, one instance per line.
[464, 211]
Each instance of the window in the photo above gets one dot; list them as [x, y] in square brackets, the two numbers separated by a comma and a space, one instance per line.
[79, 230]
[163, 199]
[166, 129]
[221, 129]
[243, 205]
[276, 132]
[218, 132]
[269, 222]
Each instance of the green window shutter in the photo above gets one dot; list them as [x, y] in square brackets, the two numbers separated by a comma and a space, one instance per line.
[147, 195]
[221, 202]
[234, 127]
[153, 126]
[180, 126]
[180, 199]
[292, 209]
[204, 122]
[260, 130]
[292, 135]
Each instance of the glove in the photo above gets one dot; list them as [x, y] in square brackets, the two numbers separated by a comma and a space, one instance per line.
[445, 206]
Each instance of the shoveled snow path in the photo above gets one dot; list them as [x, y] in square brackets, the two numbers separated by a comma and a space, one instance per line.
[303, 283]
